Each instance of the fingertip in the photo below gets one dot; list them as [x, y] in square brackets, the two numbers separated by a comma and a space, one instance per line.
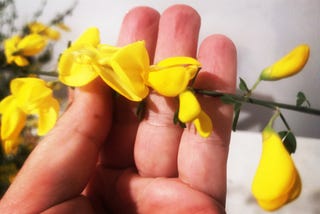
[218, 56]
[140, 23]
[178, 32]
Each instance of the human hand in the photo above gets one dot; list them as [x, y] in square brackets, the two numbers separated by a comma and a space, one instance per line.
[99, 158]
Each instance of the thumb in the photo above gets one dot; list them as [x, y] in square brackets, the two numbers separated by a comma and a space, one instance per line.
[61, 165]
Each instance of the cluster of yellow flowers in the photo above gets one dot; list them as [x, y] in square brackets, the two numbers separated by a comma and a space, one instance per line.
[18, 48]
[277, 180]
[127, 71]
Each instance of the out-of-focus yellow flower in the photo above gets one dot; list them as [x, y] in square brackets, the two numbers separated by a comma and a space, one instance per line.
[17, 48]
[171, 76]
[124, 69]
[190, 111]
[29, 96]
[277, 180]
[44, 30]
[287, 66]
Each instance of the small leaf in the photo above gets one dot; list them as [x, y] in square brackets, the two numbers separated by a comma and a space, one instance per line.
[243, 86]
[236, 108]
[289, 141]
[302, 99]
[141, 110]
[177, 121]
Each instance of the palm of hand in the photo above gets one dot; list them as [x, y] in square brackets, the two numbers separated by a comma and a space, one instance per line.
[108, 161]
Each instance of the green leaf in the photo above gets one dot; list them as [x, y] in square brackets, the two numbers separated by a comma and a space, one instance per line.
[302, 99]
[237, 109]
[243, 86]
[141, 110]
[177, 121]
[289, 141]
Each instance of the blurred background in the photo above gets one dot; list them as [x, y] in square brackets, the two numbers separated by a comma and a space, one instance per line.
[263, 31]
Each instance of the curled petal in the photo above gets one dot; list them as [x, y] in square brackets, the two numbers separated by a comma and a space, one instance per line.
[203, 124]
[171, 76]
[170, 81]
[287, 66]
[78, 67]
[189, 107]
[126, 71]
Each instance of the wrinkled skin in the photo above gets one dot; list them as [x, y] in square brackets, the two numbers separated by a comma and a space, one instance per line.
[99, 159]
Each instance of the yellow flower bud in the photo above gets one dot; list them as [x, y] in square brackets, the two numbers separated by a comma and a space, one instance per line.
[287, 66]
[277, 180]
[190, 111]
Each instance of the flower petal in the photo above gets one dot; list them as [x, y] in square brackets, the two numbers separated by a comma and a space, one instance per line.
[127, 77]
[276, 181]
[170, 81]
[189, 107]
[90, 37]
[48, 114]
[31, 45]
[78, 67]
[12, 120]
[287, 66]
[203, 124]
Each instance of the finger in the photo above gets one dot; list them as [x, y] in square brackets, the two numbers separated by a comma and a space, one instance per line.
[61, 165]
[140, 23]
[158, 138]
[202, 161]
[77, 205]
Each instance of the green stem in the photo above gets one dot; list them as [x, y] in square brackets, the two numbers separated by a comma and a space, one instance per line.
[268, 104]
[46, 73]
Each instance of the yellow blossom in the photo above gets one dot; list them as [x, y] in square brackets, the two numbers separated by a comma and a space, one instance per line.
[29, 96]
[124, 69]
[17, 48]
[41, 29]
[287, 66]
[277, 180]
[190, 111]
[171, 76]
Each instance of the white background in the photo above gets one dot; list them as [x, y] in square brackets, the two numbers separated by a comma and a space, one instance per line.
[262, 31]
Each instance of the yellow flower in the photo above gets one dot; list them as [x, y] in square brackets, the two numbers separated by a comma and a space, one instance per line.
[277, 180]
[124, 69]
[78, 64]
[287, 66]
[17, 48]
[41, 29]
[29, 96]
[171, 76]
[190, 111]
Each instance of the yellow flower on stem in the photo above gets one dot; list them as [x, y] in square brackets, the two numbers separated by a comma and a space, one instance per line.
[124, 69]
[190, 111]
[29, 96]
[287, 66]
[277, 180]
[44, 30]
[171, 76]
[17, 48]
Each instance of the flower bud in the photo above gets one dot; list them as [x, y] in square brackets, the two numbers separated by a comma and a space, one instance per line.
[287, 66]
[277, 180]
